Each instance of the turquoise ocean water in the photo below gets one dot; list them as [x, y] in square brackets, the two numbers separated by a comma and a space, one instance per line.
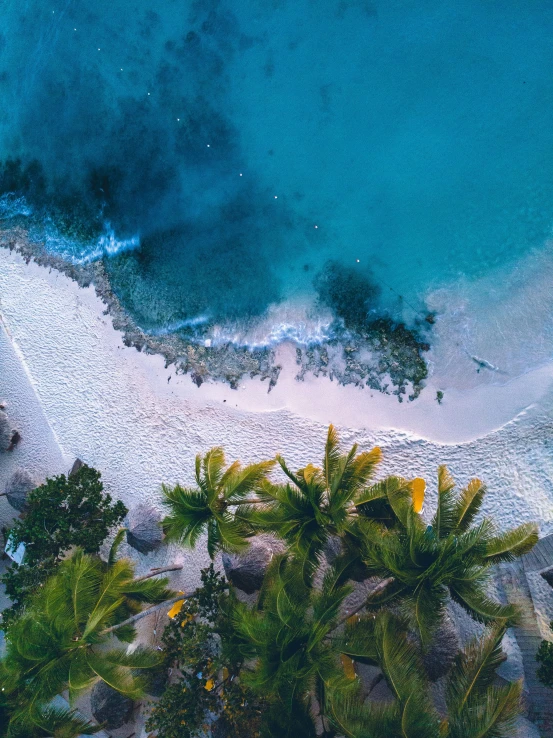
[220, 155]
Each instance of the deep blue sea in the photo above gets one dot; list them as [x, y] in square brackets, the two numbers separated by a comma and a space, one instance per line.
[224, 158]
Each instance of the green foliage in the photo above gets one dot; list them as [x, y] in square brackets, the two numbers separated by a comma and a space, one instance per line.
[199, 644]
[476, 708]
[193, 512]
[62, 513]
[450, 558]
[285, 634]
[62, 640]
[545, 659]
[320, 501]
[48, 722]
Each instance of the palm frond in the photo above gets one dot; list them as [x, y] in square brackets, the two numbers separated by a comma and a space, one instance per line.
[444, 519]
[473, 599]
[188, 516]
[358, 640]
[494, 715]
[474, 670]
[63, 722]
[332, 456]
[114, 548]
[152, 590]
[355, 719]
[117, 676]
[467, 505]
[513, 543]
[428, 607]
[213, 464]
[239, 484]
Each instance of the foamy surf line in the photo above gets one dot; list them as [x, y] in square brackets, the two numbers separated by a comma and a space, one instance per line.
[36, 298]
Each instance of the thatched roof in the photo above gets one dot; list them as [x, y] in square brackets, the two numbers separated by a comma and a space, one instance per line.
[18, 487]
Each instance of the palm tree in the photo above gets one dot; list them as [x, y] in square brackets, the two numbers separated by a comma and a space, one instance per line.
[193, 512]
[475, 706]
[286, 637]
[450, 558]
[65, 637]
[318, 502]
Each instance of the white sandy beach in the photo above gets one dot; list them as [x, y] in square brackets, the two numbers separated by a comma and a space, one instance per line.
[75, 390]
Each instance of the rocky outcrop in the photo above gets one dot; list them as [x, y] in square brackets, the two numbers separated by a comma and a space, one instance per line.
[77, 464]
[144, 532]
[110, 707]
[246, 571]
[18, 487]
[9, 436]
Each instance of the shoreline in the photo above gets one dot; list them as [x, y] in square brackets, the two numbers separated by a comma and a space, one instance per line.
[130, 416]
[464, 415]
[386, 356]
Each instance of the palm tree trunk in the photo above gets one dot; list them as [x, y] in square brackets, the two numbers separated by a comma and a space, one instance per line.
[144, 613]
[247, 502]
[382, 585]
[159, 570]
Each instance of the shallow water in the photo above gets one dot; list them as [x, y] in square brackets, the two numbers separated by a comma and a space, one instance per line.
[217, 155]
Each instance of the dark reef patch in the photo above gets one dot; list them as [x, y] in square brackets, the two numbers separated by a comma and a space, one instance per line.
[377, 348]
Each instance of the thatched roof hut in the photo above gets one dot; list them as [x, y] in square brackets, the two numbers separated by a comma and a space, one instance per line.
[548, 576]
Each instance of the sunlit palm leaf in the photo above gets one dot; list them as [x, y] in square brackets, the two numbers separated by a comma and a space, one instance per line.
[507, 546]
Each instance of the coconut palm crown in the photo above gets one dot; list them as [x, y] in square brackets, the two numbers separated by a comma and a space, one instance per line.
[452, 557]
[64, 639]
[285, 637]
[475, 706]
[318, 502]
[208, 508]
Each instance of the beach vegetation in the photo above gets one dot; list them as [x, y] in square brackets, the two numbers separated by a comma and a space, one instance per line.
[218, 506]
[288, 664]
[198, 647]
[451, 558]
[74, 632]
[475, 707]
[318, 502]
[64, 512]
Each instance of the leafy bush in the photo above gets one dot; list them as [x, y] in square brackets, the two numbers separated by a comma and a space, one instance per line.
[198, 644]
[62, 513]
[545, 659]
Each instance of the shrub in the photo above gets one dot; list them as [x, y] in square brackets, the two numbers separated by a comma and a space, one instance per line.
[62, 513]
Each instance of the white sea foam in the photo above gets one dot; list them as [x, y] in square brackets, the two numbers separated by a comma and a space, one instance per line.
[108, 244]
[292, 320]
[12, 205]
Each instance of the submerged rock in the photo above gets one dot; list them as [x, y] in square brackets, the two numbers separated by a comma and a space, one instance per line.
[18, 487]
[144, 532]
[246, 571]
[109, 706]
